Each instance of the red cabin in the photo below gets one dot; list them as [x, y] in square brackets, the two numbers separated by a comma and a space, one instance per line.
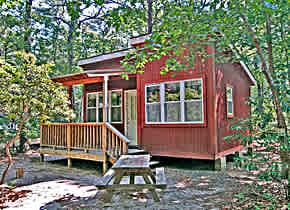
[185, 116]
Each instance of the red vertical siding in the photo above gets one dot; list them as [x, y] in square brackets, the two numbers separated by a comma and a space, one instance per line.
[180, 140]
[233, 75]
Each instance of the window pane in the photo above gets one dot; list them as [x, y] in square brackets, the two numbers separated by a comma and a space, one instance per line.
[100, 100]
[193, 90]
[172, 92]
[153, 112]
[91, 100]
[91, 115]
[193, 111]
[100, 114]
[230, 107]
[116, 114]
[172, 112]
[133, 108]
[153, 94]
[229, 94]
[116, 98]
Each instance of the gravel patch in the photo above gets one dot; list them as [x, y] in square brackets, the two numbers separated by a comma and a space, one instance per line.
[54, 186]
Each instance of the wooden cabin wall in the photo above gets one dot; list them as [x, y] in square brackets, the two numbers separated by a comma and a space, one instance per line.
[114, 83]
[179, 140]
[233, 75]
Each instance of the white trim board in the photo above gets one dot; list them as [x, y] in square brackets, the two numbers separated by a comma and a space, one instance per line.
[247, 71]
[245, 67]
[103, 57]
[139, 39]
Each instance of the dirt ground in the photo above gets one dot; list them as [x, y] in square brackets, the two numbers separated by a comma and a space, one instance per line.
[51, 185]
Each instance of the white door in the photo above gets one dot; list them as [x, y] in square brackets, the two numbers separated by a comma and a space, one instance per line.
[131, 116]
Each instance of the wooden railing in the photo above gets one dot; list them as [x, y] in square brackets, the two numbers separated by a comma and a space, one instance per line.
[116, 142]
[86, 136]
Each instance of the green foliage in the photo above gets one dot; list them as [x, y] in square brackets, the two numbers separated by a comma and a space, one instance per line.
[6, 132]
[27, 92]
[234, 27]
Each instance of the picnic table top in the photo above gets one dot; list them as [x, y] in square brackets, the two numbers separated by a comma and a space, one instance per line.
[132, 162]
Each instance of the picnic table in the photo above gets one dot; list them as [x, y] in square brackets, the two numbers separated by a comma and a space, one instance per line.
[133, 166]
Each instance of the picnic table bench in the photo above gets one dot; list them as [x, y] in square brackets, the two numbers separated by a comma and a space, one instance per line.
[133, 166]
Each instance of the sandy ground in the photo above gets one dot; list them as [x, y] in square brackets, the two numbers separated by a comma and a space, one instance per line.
[54, 186]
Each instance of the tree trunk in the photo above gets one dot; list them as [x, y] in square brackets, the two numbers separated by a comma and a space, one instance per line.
[149, 18]
[7, 150]
[269, 43]
[22, 141]
[27, 33]
[277, 104]
[70, 55]
[261, 97]
[70, 47]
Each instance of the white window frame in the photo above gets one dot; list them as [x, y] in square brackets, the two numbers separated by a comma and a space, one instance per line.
[172, 102]
[193, 100]
[182, 102]
[160, 101]
[96, 107]
[121, 106]
[228, 87]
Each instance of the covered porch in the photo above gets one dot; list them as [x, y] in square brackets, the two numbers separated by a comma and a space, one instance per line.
[109, 119]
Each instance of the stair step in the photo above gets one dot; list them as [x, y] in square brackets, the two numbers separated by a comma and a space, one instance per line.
[133, 146]
[153, 163]
[136, 151]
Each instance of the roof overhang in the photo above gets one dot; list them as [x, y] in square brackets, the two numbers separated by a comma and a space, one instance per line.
[139, 39]
[248, 72]
[103, 57]
[244, 66]
[87, 77]
[113, 55]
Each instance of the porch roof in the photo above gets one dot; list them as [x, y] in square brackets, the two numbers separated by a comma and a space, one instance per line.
[87, 77]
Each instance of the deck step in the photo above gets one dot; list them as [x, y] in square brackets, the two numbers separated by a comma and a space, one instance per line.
[153, 163]
[136, 152]
[133, 146]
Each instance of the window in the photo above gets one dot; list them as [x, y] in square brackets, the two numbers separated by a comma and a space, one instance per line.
[172, 102]
[153, 103]
[175, 102]
[116, 106]
[95, 107]
[230, 105]
[193, 101]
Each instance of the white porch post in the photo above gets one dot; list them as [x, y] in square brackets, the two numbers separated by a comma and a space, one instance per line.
[106, 99]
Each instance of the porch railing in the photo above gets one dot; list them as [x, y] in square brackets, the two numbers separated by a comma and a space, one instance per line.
[86, 136]
[116, 142]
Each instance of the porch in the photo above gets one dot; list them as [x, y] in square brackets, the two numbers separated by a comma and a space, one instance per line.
[89, 141]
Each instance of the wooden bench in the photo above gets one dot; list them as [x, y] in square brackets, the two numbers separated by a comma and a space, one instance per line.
[106, 179]
[160, 178]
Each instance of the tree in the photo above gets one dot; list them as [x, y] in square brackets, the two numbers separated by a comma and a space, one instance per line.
[27, 92]
[255, 30]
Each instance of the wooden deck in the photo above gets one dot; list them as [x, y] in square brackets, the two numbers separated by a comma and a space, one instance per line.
[89, 141]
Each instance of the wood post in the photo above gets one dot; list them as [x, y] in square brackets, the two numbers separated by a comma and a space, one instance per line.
[41, 135]
[41, 157]
[69, 162]
[19, 173]
[68, 134]
[220, 163]
[70, 96]
[105, 99]
[104, 138]
[105, 163]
